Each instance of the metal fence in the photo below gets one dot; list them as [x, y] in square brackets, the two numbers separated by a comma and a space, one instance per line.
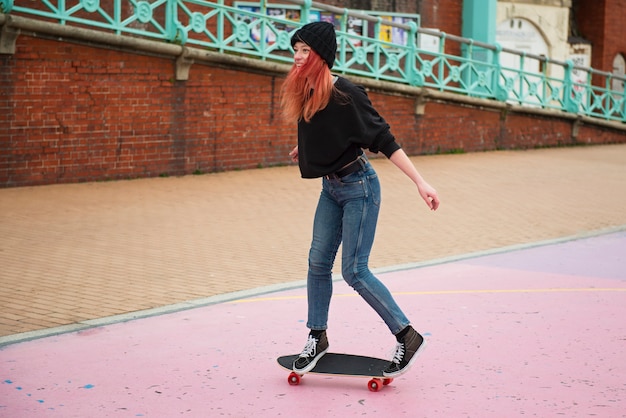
[416, 56]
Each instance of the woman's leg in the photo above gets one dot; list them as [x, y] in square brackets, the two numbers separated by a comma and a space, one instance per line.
[360, 215]
[324, 245]
[327, 226]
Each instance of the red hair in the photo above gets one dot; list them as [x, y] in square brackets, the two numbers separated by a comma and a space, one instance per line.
[307, 89]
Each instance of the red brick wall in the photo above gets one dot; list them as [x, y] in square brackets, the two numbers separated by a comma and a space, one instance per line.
[74, 113]
[451, 127]
[78, 113]
[596, 135]
[614, 34]
[445, 15]
[602, 23]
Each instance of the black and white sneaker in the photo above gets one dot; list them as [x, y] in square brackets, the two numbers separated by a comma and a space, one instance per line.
[314, 349]
[405, 354]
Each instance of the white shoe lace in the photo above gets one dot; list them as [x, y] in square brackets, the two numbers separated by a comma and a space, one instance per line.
[309, 348]
[398, 353]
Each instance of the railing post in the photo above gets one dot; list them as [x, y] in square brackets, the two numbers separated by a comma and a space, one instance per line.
[62, 12]
[171, 20]
[220, 25]
[570, 103]
[6, 6]
[117, 15]
[467, 51]
[500, 89]
[622, 109]
[412, 77]
[304, 12]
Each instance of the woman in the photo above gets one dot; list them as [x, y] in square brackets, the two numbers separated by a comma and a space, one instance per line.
[336, 120]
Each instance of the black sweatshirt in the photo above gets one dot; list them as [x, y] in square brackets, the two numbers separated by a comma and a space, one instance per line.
[336, 134]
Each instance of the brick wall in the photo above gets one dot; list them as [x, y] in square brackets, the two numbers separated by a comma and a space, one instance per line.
[74, 113]
[78, 113]
[614, 33]
[602, 23]
[445, 15]
[452, 127]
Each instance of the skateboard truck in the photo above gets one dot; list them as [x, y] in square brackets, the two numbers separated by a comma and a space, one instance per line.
[374, 385]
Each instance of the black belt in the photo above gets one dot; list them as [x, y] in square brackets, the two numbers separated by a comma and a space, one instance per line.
[353, 167]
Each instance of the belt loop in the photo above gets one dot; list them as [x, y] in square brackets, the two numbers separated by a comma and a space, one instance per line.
[362, 160]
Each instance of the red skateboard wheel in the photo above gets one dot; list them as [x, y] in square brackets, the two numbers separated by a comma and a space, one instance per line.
[294, 379]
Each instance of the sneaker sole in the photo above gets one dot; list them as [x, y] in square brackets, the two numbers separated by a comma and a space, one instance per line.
[312, 364]
[408, 366]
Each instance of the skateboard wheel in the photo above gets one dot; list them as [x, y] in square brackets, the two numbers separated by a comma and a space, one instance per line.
[294, 379]
[387, 380]
[374, 385]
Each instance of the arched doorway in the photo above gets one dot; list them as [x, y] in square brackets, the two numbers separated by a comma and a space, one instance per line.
[619, 69]
[523, 36]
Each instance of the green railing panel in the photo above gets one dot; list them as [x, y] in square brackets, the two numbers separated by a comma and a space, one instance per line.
[479, 70]
[129, 17]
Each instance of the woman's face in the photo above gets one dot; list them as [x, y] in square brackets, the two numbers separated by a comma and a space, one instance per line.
[301, 53]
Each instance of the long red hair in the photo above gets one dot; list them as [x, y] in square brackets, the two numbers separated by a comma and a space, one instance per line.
[307, 89]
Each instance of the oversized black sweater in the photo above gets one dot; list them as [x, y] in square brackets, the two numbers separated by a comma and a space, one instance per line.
[336, 134]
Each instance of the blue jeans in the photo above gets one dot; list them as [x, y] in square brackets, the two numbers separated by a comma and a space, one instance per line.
[348, 211]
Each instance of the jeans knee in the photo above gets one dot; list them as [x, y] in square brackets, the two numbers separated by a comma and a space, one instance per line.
[352, 277]
[320, 269]
[319, 265]
[319, 262]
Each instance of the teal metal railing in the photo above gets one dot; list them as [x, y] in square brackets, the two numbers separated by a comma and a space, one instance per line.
[418, 57]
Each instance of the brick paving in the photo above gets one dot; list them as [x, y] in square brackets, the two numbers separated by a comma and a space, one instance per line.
[72, 253]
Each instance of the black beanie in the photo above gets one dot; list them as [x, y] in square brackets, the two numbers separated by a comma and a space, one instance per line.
[320, 36]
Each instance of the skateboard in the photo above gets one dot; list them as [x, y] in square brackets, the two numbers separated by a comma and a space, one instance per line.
[342, 365]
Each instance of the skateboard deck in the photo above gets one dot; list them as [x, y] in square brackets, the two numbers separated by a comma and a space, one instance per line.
[342, 365]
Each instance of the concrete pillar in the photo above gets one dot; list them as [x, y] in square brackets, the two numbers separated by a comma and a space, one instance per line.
[479, 20]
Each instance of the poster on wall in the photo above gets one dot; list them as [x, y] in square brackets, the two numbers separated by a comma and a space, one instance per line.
[429, 43]
[315, 16]
[277, 13]
[385, 31]
[399, 36]
[355, 28]
[580, 77]
[293, 15]
[255, 33]
[282, 13]
[392, 34]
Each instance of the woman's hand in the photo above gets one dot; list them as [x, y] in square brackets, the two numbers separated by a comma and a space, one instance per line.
[429, 194]
[426, 191]
[294, 154]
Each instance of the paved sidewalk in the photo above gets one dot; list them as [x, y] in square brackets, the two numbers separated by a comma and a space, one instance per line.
[71, 254]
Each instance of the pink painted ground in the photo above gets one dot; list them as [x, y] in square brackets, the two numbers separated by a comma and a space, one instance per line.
[536, 332]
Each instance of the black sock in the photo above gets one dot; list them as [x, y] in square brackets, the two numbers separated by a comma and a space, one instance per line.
[401, 334]
[315, 333]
